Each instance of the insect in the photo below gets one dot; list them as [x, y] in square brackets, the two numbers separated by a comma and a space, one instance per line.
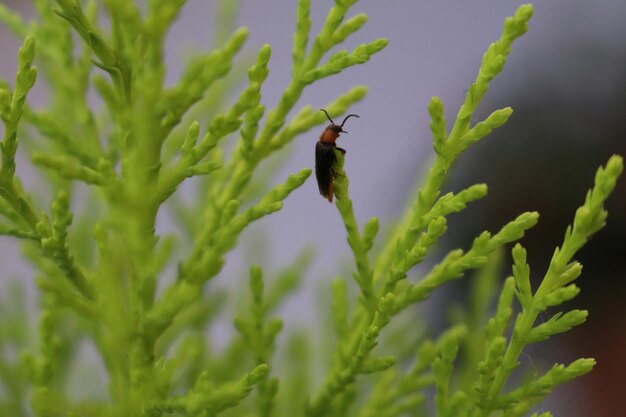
[325, 156]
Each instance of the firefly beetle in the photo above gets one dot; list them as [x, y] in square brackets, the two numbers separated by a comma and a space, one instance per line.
[325, 156]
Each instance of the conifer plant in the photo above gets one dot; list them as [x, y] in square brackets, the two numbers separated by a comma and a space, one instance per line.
[104, 272]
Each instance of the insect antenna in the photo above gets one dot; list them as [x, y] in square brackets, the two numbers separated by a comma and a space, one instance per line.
[347, 117]
[326, 113]
[344, 121]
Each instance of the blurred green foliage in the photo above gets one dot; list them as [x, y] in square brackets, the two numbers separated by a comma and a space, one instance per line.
[98, 277]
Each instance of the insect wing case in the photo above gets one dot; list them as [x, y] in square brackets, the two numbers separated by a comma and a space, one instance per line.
[324, 160]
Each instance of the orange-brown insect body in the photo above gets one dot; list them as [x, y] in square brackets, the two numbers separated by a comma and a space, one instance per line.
[330, 134]
[325, 156]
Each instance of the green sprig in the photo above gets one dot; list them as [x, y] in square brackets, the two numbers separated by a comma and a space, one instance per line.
[12, 106]
[308, 118]
[497, 325]
[111, 61]
[449, 148]
[338, 383]
[492, 64]
[442, 370]
[206, 399]
[343, 60]
[301, 36]
[349, 27]
[359, 246]
[519, 401]
[559, 323]
[210, 255]
[457, 262]
[54, 244]
[199, 76]
[589, 219]
[260, 335]
[68, 168]
[8, 230]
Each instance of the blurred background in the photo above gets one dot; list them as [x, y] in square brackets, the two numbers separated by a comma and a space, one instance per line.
[566, 81]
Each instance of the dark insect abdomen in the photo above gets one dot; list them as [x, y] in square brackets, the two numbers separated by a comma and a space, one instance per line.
[324, 160]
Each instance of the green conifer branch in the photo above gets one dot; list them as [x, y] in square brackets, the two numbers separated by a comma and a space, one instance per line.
[349, 27]
[226, 13]
[436, 228]
[161, 15]
[206, 399]
[46, 365]
[342, 60]
[410, 245]
[384, 401]
[52, 239]
[54, 244]
[12, 107]
[8, 230]
[7, 211]
[66, 298]
[137, 333]
[519, 401]
[393, 393]
[260, 335]
[19, 203]
[308, 118]
[68, 122]
[559, 323]
[492, 64]
[341, 378]
[241, 168]
[68, 168]
[192, 151]
[448, 149]
[360, 247]
[211, 261]
[497, 325]
[13, 332]
[110, 60]
[483, 290]
[199, 76]
[589, 218]
[301, 35]
[50, 128]
[435, 224]
[442, 371]
[339, 307]
[457, 262]
[209, 258]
